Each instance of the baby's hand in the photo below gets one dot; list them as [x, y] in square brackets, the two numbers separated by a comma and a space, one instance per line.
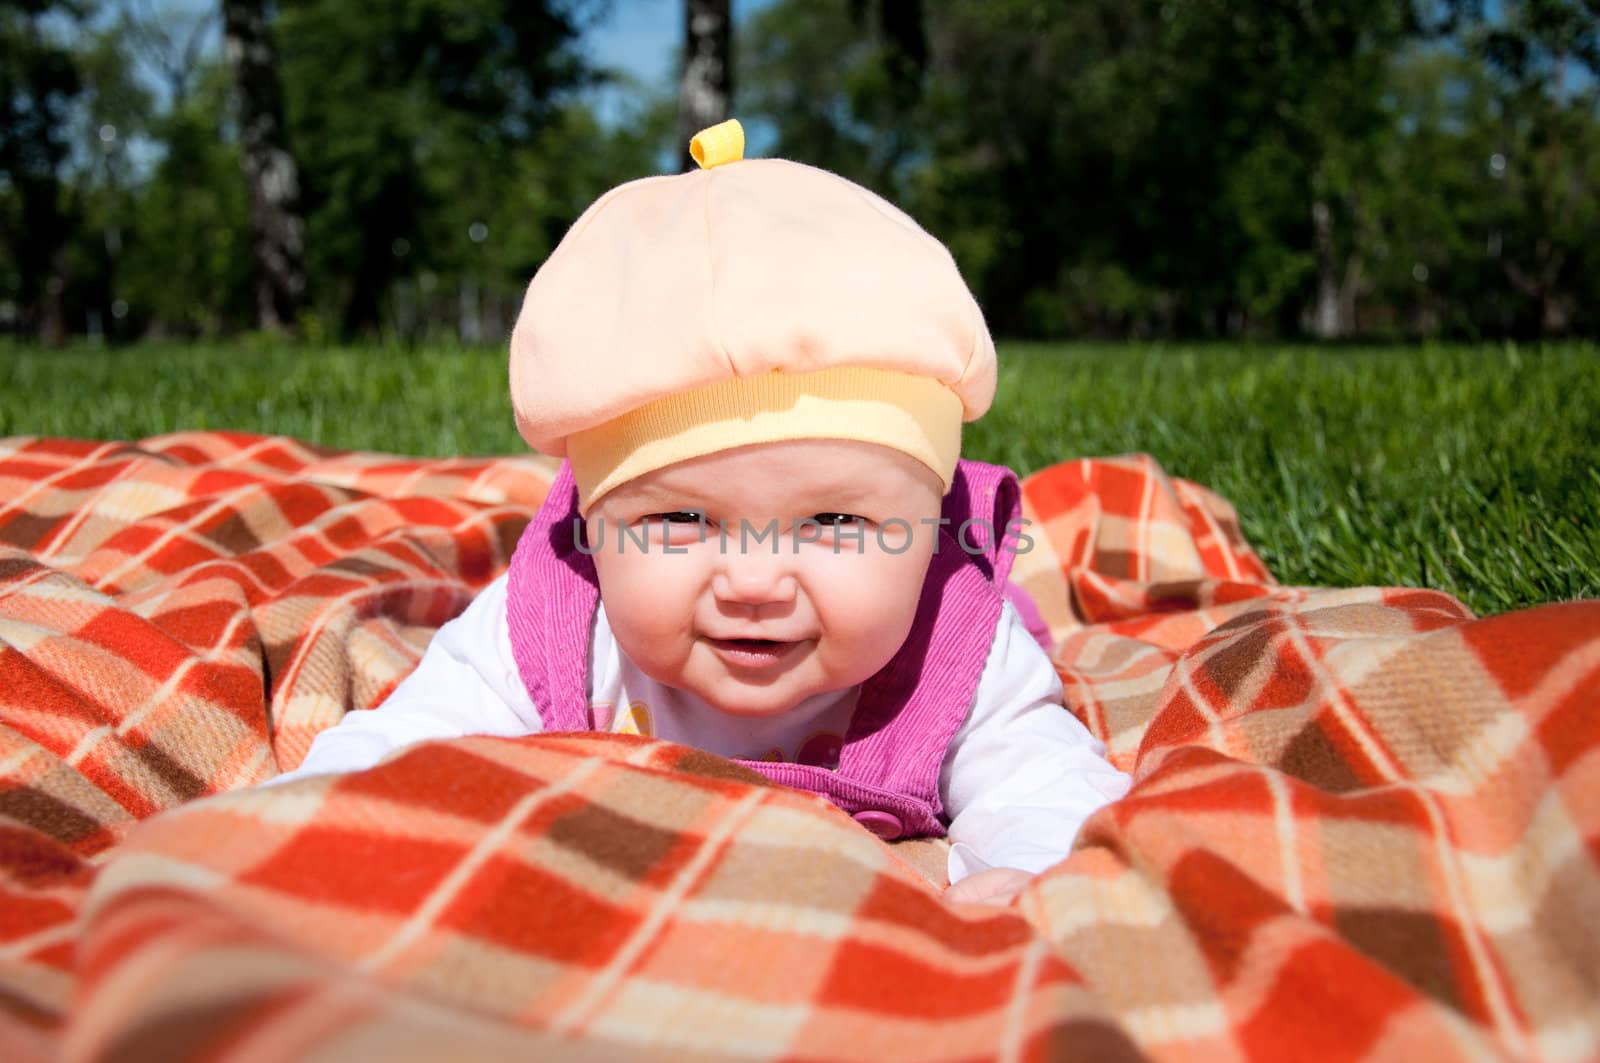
[998, 885]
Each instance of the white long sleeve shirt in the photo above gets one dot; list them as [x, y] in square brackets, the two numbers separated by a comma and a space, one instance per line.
[1020, 777]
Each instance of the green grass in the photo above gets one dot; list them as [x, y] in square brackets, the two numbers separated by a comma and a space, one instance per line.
[1472, 470]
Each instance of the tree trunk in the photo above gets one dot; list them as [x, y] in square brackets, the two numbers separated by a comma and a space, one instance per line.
[706, 95]
[52, 310]
[276, 229]
[1328, 320]
[41, 250]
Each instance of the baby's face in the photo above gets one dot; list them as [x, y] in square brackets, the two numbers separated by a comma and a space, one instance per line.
[768, 573]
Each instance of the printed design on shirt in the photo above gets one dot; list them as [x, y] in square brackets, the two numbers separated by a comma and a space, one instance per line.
[821, 749]
[634, 721]
[600, 715]
[771, 756]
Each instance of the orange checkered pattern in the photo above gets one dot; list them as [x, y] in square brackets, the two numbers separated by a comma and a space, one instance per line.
[1364, 824]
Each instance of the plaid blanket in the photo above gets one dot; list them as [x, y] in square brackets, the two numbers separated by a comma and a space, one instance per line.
[1364, 824]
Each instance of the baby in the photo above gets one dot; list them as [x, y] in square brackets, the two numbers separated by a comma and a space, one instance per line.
[763, 542]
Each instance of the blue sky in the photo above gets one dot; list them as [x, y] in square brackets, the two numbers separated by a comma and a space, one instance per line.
[642, 38]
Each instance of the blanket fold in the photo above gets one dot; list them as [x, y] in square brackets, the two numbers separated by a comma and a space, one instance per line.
[1364, 823]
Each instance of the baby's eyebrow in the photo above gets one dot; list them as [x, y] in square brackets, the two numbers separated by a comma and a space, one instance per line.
[654, 498]
[844, 494]
[828, 495]
[659, 493]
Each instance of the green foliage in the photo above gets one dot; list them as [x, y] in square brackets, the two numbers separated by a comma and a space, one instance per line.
[419, 124]
[1130, 168]
[187, 264]
[1469, 469]
[442, 151]
[40, 83]
[1194, 167]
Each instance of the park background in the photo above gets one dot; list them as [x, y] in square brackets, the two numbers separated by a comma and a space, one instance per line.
[1337, 260]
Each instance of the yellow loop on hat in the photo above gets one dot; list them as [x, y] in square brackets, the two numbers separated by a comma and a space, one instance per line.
[718, 144]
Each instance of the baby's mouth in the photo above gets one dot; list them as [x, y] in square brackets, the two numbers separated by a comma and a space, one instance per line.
[752, 653]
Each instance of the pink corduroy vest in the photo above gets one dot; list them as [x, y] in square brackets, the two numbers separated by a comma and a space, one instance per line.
[906, 715]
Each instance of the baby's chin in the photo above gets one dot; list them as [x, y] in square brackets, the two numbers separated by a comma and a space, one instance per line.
[752, 703]
[751, 695]
[730, 696]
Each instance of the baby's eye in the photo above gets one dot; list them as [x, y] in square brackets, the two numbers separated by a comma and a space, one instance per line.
[678, 516]
[837, 520]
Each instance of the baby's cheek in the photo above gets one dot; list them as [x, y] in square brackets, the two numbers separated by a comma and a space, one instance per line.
[648, 601]
[869, 609]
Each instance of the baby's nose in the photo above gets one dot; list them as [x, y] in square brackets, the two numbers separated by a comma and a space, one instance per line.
[753, 579]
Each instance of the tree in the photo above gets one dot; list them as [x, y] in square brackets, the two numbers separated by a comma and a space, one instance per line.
[1310, 81]
[116, 112]
[409, 113]
[1547, 56]
[39, 85]
[1099, 167]
[187, 266]
[1106, 166]
[270, 171]
[705, 95]
[841, 81]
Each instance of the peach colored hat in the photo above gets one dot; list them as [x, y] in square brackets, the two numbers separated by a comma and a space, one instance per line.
[750, 301]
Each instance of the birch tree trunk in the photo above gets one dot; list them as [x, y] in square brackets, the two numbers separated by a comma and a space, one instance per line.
[706, 94]
[276, 229]
[1328, 320]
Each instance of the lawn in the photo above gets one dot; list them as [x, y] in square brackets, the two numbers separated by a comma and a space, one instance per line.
[1475, 470]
